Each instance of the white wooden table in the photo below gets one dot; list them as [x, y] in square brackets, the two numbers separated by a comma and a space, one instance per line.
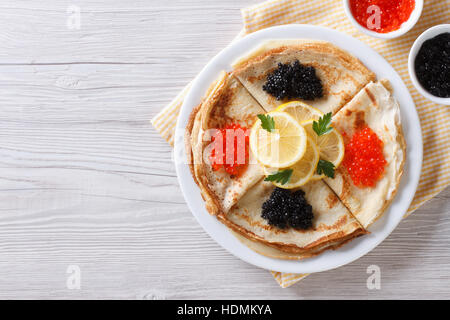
[85, 180]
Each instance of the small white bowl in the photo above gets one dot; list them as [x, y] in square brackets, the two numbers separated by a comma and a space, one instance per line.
[404, 28]
[428, 34]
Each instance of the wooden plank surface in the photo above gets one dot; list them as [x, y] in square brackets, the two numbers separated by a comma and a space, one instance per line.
[86, 181]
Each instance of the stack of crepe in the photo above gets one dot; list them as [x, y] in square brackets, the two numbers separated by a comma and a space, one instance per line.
[341, 210]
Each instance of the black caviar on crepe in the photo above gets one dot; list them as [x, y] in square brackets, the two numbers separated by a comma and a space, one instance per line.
[432, 65]
[294, 81]
[286, 209]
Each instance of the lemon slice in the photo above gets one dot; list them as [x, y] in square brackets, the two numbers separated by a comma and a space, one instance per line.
[303, 170]
[331, 146]
[300, 111]
[283, 146]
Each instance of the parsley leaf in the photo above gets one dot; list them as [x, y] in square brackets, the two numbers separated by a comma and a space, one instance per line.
[322, 126]
[267, 122]
[326, 167]
[282, 176]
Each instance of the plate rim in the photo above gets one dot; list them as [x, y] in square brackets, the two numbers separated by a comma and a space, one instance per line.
[385, 224]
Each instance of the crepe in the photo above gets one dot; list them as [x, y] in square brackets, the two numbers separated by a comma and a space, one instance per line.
[375, 107]
[333, 224]
[227, 102]
[342, 75]
[273, 252]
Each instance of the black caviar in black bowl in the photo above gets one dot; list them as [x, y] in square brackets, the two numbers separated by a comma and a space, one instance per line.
[432, 65]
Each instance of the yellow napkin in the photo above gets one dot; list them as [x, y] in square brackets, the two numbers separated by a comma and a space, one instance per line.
[434, 118]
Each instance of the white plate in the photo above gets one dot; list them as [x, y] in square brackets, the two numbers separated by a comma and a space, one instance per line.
[381, 228]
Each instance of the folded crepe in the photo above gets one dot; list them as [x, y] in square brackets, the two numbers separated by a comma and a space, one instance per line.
[342, 75]
[333, 224]
[227, 102]
[376, 108]
[273, 252]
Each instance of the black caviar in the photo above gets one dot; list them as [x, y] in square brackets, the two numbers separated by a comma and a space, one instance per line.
[432, 65]
[294, 81]
[286, 209]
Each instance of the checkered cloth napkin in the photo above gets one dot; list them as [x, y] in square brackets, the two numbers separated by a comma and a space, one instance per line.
[330, 13]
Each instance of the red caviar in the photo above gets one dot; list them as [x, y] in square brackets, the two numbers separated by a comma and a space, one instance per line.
[364, 159]
[392, 13]
[232, 155]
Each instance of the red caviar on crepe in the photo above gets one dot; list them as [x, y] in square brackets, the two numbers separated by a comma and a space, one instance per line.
[226, 104]
[231, 150]
[364, 159]
[375, 152]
